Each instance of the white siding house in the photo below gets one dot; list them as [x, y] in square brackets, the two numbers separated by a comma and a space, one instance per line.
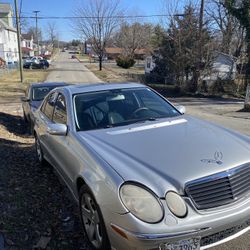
[8, 35]
[149, 64]
[27, 45]
[223, 67]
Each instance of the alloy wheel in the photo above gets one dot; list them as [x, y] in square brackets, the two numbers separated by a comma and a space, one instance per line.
[91, 220]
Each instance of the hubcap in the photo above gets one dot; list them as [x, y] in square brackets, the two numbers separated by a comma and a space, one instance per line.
[91, 220]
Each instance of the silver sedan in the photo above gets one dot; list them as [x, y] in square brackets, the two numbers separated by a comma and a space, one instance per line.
[145, 175]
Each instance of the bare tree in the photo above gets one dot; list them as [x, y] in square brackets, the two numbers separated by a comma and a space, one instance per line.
[52, 32]
[225, 26]
[97, 20]
[32, 31]
[133, 37]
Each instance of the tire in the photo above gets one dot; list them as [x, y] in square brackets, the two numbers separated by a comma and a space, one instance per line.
[92, 220]
[39, 152]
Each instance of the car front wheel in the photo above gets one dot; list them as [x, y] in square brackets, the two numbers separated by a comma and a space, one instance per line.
[93, 224]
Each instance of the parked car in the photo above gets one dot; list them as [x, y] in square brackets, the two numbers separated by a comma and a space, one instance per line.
[33, 59]
[145, 175]
[34, 95]
[39, 64]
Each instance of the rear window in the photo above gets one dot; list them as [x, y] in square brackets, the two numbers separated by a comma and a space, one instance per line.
[39, 93]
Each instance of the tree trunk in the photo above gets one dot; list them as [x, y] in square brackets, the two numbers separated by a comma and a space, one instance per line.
[100, 63]
[247, 76]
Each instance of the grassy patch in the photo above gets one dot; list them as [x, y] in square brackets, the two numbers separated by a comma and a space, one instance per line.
[113, 73]
[11, 87]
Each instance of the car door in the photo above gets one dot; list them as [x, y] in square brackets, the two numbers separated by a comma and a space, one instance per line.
[60, 146]
[43, 119]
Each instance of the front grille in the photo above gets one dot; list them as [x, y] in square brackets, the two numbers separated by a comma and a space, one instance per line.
[220, 189]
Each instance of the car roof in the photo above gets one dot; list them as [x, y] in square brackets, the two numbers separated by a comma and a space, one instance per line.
[47, 84]
[86, 87]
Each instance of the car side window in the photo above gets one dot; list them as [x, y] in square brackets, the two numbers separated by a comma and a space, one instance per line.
[49, 104]
[60, 113]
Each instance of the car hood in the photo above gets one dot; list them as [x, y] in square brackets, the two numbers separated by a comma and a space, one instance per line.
[168, 153]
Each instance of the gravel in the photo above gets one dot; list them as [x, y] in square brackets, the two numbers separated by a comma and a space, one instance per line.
[37, 211]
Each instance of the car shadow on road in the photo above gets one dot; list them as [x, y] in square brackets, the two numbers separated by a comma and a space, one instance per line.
[34, 205]
[13, 124]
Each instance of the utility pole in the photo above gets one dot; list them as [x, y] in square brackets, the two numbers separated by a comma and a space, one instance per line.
[37, 38]
[19, 42]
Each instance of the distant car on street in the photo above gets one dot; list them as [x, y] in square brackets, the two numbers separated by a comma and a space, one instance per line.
[34, 95]
[145, 175]
[36, 64]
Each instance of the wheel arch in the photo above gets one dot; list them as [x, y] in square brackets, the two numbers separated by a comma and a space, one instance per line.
[79, 183]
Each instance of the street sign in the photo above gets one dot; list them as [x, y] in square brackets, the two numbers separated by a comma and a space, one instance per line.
[247, 100]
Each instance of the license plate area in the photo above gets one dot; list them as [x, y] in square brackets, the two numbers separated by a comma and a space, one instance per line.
[187, 244]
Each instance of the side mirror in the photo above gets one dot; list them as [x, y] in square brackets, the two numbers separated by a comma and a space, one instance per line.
[57, 129]
[25, 99]
[181, 109]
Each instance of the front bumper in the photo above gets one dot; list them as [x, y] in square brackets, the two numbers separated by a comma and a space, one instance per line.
[154, 241]
[213, 228]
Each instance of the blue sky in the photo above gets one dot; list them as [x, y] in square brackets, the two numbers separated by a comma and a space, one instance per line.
[66, 7]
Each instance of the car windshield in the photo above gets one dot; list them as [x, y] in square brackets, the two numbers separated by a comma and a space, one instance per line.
[39, 93]
[105, 109]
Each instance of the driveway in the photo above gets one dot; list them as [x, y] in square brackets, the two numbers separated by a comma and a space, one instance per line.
[65, 69]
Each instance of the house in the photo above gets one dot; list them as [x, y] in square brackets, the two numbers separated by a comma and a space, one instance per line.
[223, 67]
[149, 64]
[27, 45]
[114, 52]
[8, 35]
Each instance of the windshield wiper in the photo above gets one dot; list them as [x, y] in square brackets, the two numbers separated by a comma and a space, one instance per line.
[144, 120]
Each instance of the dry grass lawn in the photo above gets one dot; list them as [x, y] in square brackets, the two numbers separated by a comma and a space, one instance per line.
[113, 73]
[11, 88]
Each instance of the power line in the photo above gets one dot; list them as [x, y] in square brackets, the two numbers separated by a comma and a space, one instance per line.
[92, 17]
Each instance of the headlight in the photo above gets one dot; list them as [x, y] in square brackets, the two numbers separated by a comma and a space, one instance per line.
[141, 203]
[176, 204]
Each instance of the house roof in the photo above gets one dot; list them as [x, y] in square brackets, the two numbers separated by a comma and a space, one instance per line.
[115, 50]
[6, 26]
[5, 8]
[27, 36]
[141, 51]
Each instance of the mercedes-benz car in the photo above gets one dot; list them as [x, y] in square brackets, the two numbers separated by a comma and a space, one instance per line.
[34, 95]
[145, 175]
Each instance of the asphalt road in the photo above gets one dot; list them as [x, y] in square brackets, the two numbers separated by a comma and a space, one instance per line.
[70, 70]
[227, 113]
